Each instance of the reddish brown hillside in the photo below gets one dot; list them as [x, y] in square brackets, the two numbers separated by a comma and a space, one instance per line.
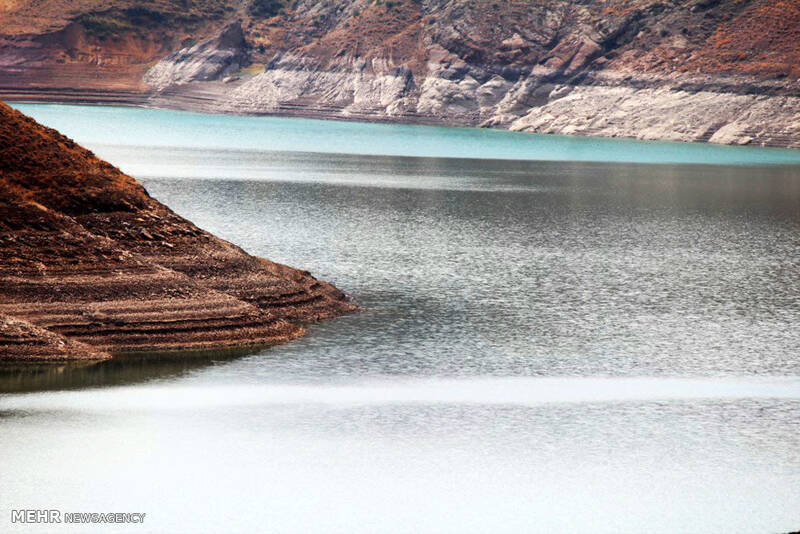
[764, 39]
[87, 254]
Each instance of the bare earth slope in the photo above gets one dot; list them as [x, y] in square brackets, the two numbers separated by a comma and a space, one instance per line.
[90, 262]
[724, 71]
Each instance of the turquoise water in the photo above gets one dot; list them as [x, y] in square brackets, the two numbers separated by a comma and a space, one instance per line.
[545, 346]
[179, 129]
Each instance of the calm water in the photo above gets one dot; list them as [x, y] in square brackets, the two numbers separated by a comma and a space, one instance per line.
[591, 345]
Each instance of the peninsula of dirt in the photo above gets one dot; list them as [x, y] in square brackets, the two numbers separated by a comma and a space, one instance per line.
[90, 264]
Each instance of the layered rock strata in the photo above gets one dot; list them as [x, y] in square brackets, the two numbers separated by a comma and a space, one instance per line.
[688, 70]
[23, 341]
[88, 255]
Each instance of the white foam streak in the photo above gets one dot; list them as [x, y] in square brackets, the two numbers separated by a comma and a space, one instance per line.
[527, 391]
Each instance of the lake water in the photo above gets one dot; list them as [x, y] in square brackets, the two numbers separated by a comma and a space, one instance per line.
[558, 335]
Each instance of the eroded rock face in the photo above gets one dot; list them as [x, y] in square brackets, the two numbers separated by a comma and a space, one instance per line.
[88, 255]
[211, 59]
[594, 67]
[355, 87]
[662, 113]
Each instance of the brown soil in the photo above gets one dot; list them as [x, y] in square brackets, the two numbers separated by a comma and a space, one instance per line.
[87, 254]
[22, 341]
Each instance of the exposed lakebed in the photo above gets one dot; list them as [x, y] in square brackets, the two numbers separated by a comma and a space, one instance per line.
[596, 344]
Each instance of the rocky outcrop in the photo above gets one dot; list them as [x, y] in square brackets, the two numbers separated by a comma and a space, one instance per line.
[355, 88]
[87, 255]
[211, 59]
[663, 113]
[690, 70]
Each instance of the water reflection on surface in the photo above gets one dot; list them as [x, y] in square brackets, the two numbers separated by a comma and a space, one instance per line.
[525, 268]
[544, 347]
[121, 370]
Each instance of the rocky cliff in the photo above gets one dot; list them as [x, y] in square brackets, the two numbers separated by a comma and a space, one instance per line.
[694, 70]
[90, 263]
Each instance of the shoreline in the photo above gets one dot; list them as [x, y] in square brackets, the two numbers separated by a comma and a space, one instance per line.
[188, 100]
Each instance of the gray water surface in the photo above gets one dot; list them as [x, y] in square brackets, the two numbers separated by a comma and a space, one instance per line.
[544, 347]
